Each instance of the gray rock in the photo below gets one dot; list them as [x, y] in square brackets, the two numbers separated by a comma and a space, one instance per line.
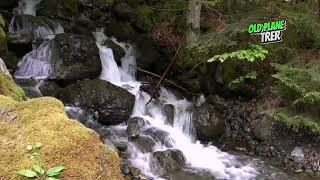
[168, 110]
[4, 70]
[145, 143]
[170, 160]
[118, 51]
[263, 128]
[159, 136]
[208, 122]
[113, 103]
[297, 155]
[134, 126]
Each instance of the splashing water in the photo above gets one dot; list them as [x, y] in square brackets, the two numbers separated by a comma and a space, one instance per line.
[181, 135]
[36, 63]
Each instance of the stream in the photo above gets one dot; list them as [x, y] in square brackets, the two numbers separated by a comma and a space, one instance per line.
[201, 161]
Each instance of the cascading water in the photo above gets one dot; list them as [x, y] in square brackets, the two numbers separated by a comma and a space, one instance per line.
[28, 7]
[37, 62]
[180, 136]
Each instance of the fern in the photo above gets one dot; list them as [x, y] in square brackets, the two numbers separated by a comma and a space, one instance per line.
[239, 82]
[254, 53]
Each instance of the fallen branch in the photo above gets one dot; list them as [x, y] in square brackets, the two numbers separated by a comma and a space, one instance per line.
[168, 81]
[165, 73]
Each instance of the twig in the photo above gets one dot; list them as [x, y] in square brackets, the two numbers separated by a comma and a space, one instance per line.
[165, 72]
[168, 81]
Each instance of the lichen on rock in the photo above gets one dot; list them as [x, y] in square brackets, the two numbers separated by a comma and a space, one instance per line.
[65, 142]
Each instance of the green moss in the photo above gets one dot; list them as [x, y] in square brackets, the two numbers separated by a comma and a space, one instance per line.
[65, 142]
[9, 88]
[3, 39]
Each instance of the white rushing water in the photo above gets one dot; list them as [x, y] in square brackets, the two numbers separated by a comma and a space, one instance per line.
[28, 7]
[181, 135]
[37, 63]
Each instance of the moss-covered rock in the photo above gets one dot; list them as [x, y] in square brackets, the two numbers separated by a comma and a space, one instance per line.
[3, 37]
[7, 86]
[65, 142]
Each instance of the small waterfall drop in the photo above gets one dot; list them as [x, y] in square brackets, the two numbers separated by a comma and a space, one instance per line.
[28, 7]
[37, 63]
[181, 135]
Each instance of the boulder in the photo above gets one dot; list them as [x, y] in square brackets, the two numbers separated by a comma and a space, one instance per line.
[297, 155]
[7, 86]
[65, 142]
[208, 122]
[61, 8]
[134, 126]
[113, 104]
[170, 160]
[168, 111]
[3, 38]
[145, 143]
[66, 58]
[118, 51]
[159, 136]
[75, 57]
[263, 128]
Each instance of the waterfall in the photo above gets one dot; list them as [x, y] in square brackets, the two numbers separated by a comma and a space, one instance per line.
[181, 135]
[36, 63]
[28, 7]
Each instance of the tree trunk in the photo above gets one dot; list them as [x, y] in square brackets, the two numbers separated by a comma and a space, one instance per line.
[193, 21]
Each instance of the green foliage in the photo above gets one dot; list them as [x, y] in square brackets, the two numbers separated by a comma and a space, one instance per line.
[27, 173]
[299, 84]
[40, 174]
[239, 82]
[297, 122]
[304, 24]
[254, 53]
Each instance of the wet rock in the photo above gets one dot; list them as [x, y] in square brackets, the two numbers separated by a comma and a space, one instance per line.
[297, 155]
[134, 126]
[118, 51]
[159, 136]
[170, 160]
[113, 103]
[121, 146]
[26, 28]
[50, 89]
[263, 128]
[168, 111]
[208, 122]
[74, 57]
[125, 167]
[145, 143]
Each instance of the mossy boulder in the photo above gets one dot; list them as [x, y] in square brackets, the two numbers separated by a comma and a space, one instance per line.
[7, 86]
[65, 142]
[3, 37]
